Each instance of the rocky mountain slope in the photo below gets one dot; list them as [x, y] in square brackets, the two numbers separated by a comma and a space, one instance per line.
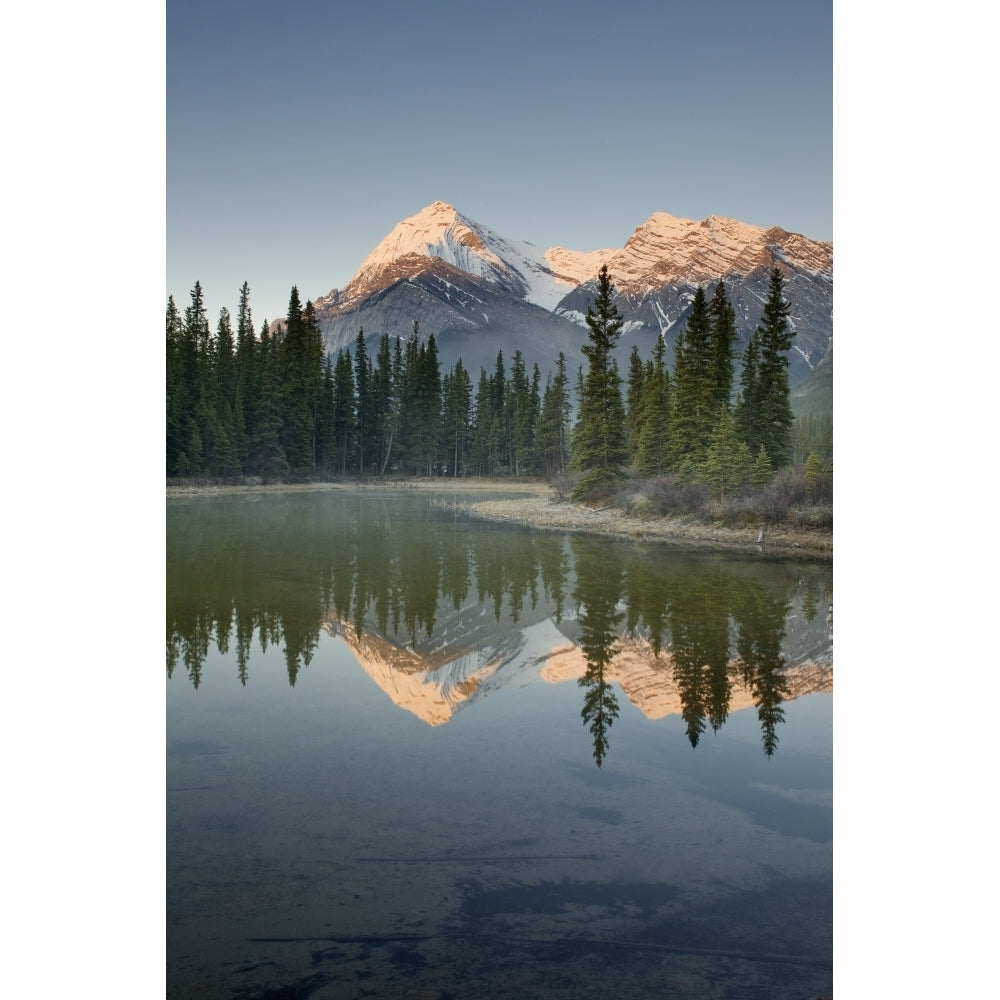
[479, 292]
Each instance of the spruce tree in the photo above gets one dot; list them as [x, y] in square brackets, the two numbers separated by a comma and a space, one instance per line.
[384, 410]
[326, 456]
[344, 408]
[519, 416]
[266, 451]
[552, 437]
[727, 462]
[634, 403]
[761, 472]
[300, 359]
[499, 434]
[748, 412]
[363, 409]
[224, 454]
[457, 393]
[599, 442]
[811, 473]
[653, 452]
[723, 339]
[482, 418]
[776, 418]
[177, 389]
[196, 352]
[694, 411]
[247, 373]
[429, 405]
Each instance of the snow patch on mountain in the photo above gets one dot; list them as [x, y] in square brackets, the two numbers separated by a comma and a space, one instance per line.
[541, 277]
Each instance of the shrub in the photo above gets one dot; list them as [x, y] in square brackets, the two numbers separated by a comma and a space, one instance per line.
[785, 491]
[563, 485]
[631, 499]
[740, 511]
[598, 486]
[670, 495]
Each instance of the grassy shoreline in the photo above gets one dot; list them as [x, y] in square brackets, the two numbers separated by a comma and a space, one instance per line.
[536, 505]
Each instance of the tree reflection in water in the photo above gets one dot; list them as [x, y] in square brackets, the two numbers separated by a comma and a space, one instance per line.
[598, 590]
[281, 569]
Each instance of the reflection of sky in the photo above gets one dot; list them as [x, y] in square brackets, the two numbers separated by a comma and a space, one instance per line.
[527, 741]
[299, 134]
[341, 792]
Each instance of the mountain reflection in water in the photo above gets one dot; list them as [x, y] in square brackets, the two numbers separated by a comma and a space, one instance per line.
[441, 612]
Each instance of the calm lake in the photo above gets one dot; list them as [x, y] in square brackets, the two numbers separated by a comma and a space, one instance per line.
[411, 755]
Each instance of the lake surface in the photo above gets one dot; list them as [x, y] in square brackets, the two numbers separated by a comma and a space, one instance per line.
[410, 755]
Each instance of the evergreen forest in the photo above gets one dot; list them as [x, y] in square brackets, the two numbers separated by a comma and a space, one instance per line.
[272, 404]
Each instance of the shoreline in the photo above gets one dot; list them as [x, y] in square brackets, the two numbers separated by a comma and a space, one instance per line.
[537, 507]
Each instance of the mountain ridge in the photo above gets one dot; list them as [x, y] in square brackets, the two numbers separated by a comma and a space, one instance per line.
[480, 292]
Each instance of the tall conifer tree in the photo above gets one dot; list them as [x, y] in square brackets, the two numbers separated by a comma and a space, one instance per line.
[775, 342]
[634, 402]
[748, 403]
[723, 340]
[599, 443]
[693, 410]
[552, 437]
[653, 455]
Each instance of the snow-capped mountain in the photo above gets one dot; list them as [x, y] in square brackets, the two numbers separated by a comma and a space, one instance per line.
[480, 292]
[440, 232]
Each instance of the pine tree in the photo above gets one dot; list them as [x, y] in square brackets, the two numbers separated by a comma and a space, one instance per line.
[300, 359]
[694, 412]
[653, 453]
[520, 416]
[534, 415]
[196, 350]
[247, 373]
[552, 438]
[384, 409]
[723, 340]
[634, 403]
[344, 408]
[266, 452]
[428, 411]
[196, 321]
[326, 455]
[811, 473]
[481, 420]
[223, 458]
[457, 393]
[363, 397]
[761, 472]
[727, 462]
[775, 342]
[499, 434]
[599, 442]
[177, 389]
[748, 403]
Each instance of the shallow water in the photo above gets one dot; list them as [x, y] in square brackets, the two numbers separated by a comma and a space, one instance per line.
[413, 756]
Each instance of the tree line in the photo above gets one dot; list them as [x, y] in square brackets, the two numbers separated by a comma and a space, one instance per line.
[688, 421]
[274, 404]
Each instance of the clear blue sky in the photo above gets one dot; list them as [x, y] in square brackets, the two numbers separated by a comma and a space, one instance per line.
[298, 134]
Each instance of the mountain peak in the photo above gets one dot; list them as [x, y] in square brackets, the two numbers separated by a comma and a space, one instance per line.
[437, 231]
[441, 207]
